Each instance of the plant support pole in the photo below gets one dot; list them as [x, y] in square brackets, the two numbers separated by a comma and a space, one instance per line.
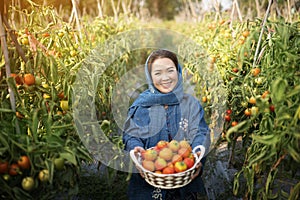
[7, 69]
[261, 32]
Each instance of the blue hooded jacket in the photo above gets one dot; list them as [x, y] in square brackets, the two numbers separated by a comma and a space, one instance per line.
[149, 121]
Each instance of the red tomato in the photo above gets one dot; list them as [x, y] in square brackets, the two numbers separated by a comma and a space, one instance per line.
[161, 144]
[24, 162]
[3, 167]
[272, 108]
[189, 162]
[255, 71]
[29, 79]
[227, 118]
[235, 70]
[14, 169]
[247, 112]
[252, 100]
[169, 170]
[234, 123]
[229, 111]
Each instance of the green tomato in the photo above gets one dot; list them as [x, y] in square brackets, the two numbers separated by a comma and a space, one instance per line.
[254, 110]
[28, 183]
[44, 175]
[258, 81]
[59, 163]
[244, 104]
[38, 80]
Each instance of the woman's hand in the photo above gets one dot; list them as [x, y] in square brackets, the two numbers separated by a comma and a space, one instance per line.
[139, 150]
[198, 168]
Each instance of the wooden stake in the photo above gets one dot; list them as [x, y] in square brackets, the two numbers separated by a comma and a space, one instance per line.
[8, 72]
[261, 33]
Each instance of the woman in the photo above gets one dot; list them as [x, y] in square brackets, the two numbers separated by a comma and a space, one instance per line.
[164, 112]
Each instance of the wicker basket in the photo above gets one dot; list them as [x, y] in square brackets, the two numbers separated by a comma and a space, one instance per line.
[168, 181]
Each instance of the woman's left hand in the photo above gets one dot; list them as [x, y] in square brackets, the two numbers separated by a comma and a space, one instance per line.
[198, 168]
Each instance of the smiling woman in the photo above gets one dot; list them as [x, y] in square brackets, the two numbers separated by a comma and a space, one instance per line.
[164, 112]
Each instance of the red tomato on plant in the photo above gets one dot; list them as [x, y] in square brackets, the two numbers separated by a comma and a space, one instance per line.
[252, 100]
[247, 112]
[234, 123]
[272, 108]
[3, 167]
[18, 78]
[229, 111]
[29, 79]
[255, 71]
[227, 118]
[235, 70]
[24, 162]
[14, 169]
[246, 33]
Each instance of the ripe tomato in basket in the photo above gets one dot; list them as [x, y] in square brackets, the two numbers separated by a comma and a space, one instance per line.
[169, 169]
[180, 166]
[189, 162]
[149, 154]
[161, 144]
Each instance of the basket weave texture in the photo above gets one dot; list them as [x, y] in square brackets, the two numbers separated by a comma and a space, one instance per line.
[168, 181]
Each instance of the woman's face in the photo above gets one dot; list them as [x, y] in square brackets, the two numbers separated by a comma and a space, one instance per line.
[164, 75]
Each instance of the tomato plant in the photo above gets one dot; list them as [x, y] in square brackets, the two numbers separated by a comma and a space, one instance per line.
[271, 83]
[261, 94]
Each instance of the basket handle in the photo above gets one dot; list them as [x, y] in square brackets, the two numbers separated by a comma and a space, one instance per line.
[202, 151]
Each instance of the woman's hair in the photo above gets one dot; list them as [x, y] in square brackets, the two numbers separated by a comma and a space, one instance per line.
[162, 53]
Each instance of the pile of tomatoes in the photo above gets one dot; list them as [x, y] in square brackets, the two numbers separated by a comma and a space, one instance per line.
[168, 157]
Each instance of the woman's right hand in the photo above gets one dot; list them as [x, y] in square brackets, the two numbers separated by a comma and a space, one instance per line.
[139, 150]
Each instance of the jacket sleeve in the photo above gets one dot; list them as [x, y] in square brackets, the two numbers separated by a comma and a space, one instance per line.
[131, 132]
[199, 132]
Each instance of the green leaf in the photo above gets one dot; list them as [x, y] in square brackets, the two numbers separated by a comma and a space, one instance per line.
[236, 184]
[11, 83]
[266, 139]
[295, 192]
[240, 127]
[278, 89]
[69, 157]
[295, 155]
[6, 110]
[294, 91]
[34, 125]
[270, 179]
